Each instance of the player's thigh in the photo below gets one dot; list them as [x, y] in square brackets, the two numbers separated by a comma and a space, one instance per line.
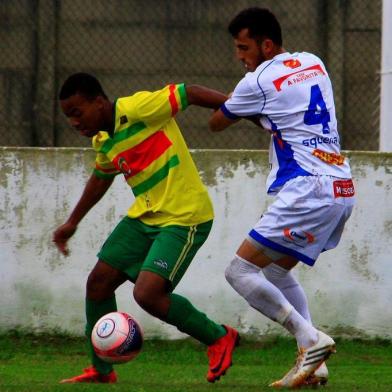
[336, 234]
[127, 247]
[301, 220]
[103, 281]
[173, 250]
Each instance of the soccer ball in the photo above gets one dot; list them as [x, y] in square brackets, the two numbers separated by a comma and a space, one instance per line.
[117, 337]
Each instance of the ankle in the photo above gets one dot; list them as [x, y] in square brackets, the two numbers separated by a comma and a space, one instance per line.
[304, 332]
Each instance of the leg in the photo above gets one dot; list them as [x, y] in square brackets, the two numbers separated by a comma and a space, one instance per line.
[103, 281]
[152, 293]
[285, 281]
[244, 275]
[173, 249]
[279, 274]
[100, 300]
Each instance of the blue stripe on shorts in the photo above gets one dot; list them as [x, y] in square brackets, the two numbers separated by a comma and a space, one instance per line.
[280, 248]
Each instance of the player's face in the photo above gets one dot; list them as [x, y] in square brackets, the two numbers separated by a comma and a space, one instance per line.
[85, 115]
[249, 50]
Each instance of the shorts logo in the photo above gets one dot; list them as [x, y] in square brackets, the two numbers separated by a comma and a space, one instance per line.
[343, 188]
[298, 237]
[161, 264]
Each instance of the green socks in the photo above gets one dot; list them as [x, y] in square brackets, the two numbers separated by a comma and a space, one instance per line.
[182, 314]
[94, 311]
[189, 320]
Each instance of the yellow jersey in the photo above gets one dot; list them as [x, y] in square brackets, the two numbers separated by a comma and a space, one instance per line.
[147, 147]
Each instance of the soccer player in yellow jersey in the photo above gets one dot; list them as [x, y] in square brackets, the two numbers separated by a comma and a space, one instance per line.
[170, 219]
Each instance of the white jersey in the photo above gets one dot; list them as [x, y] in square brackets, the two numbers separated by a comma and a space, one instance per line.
[292, 94]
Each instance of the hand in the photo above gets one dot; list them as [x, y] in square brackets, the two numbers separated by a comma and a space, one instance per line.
[62, 235]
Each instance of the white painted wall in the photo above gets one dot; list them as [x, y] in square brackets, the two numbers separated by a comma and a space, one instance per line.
[386, 78]
[349, 289]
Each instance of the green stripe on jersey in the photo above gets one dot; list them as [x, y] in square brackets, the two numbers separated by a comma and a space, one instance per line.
[120, 136]
[183, 96]
[158, 176]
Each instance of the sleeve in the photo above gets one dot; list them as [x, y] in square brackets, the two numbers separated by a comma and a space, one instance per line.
[104, 168]
[243, 102]
[160, 106]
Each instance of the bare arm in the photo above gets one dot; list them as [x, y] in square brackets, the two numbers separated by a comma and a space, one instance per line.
[204, 96]
[218, 121]
[93, 192]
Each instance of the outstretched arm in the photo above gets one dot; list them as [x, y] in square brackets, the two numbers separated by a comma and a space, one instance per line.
[218, 121]
[93, 192]
[204, 96]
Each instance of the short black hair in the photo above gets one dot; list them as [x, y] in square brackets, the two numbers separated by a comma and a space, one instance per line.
[83, 84]
[261, 22]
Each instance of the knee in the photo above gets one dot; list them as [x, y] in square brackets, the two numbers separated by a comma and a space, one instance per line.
[97, 287]
[230, 271]
[279, 276]
[93, 284]
[238, 273]
[144, 298]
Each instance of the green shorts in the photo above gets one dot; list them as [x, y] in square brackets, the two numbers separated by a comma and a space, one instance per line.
[167, 251]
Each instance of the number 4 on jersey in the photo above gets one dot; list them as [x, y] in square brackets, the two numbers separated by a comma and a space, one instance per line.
[317, 112]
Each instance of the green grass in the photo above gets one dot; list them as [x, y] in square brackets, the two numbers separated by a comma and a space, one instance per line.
[37, 363]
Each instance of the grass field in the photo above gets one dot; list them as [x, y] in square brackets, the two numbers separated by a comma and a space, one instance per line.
[37, 363]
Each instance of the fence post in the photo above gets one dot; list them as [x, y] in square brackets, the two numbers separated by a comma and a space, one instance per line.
[45, 65]
[386, 78]
[335, 53]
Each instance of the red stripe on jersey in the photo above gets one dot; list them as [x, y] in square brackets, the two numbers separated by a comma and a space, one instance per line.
[172, 99]
[136, 159]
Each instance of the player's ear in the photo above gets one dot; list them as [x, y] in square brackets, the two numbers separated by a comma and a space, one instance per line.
[267, 46]
[100, 100]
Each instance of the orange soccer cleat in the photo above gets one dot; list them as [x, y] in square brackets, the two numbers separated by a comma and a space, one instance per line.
[220, 354]
[91, 375]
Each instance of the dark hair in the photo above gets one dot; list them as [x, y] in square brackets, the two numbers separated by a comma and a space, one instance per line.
[261, 22]
[83, 84]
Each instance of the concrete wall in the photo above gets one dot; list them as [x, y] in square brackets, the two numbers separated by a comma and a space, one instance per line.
[349, 289]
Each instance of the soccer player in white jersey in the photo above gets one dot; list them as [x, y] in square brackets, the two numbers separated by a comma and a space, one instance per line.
[289, 94]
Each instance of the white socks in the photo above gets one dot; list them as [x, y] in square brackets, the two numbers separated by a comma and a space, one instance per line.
[264, 296]
[290, 287]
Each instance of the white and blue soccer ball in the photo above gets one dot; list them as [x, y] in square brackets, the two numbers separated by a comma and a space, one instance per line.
[117, 337]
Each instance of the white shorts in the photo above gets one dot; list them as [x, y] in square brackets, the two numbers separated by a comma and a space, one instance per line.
[307, 217]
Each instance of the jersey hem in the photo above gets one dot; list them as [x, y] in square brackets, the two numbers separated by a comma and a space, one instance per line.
[227, 113]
